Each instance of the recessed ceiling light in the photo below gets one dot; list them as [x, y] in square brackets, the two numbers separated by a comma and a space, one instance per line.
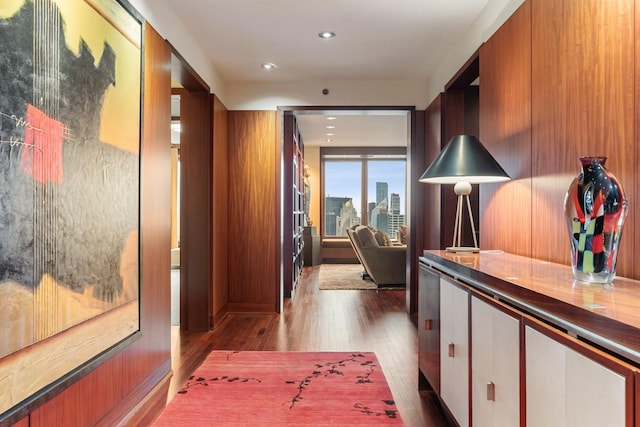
[328, 140]
[331, 127]
[331, 118]
[329, 134]
[268, 66]
[326, 34]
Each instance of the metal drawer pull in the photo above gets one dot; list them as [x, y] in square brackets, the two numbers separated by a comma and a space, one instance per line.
[452, 350]
[491, 392]
[428, 324]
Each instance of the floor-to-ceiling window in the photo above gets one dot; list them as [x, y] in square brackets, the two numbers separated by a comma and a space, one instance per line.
[363, 186]
[342, 195]
[386, 188]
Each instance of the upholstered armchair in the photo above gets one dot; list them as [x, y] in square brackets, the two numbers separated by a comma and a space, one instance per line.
[385, 263]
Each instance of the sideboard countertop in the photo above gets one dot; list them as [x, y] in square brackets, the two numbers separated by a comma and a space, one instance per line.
[606, 315]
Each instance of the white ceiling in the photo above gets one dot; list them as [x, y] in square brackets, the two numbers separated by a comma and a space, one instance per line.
[355, 129]
[375, 40]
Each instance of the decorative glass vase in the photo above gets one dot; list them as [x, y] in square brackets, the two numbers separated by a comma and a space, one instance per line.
[595, 208]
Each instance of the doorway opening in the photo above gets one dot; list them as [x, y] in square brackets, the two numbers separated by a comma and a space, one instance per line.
[343, 131]
[191, 229]
[175, 209]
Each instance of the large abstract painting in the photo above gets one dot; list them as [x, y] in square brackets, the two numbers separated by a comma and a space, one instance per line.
[70, 86]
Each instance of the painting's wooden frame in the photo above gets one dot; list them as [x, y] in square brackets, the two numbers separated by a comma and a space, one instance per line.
[32, 375]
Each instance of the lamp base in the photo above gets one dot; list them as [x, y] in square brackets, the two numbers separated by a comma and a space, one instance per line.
[462, 249]
[463, 189]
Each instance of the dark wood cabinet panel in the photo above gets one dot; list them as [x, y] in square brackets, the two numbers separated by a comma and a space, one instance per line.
[429, 328]
[636, 421]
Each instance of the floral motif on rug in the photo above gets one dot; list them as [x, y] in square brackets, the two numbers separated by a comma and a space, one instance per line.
[284, 388]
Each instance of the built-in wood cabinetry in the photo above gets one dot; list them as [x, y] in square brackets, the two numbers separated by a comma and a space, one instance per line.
[454, 349]
[429, 328]
[542, 349]
[495, 364]
[573, 387]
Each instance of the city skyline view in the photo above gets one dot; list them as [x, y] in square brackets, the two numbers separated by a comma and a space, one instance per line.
[384, 202]
[343, 179]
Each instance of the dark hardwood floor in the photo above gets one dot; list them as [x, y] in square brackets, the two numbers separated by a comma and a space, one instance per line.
[328, 320]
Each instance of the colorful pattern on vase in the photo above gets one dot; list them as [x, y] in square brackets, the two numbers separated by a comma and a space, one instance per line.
[595, 207]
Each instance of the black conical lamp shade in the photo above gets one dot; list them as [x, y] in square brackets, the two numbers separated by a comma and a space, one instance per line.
[464, 158]
[463, 161]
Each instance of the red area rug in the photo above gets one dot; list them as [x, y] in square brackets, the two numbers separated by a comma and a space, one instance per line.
[270, 388]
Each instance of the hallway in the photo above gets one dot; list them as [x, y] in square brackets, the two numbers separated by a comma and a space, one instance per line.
[325, 320]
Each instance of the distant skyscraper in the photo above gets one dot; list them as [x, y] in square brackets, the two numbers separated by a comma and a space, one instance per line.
[382, 222]
[371, 206]
[378, 216]
[394, 223]
[394, 205]
[332, 208]
[382, 192]
[348, 217]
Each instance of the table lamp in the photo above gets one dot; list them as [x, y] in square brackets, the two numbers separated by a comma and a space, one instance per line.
[463, 161]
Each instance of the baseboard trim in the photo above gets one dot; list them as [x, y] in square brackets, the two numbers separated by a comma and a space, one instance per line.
[219, 317]
[149, 397]
[340, 261]
[250, 308]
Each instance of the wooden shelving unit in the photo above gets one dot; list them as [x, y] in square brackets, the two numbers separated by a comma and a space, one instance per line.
[297, 192]
[293, 206]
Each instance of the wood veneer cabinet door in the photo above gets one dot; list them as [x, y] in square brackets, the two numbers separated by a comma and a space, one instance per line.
[565, 387]
[429, 326]
[454, 350]
[495, 366]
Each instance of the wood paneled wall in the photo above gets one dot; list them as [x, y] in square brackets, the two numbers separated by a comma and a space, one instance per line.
[220, 189]
[453, 124]
[430, 213]
[581, 98]
[417, 162]
[631, 240]
[460, 106]
[582, 104]
[196, 154]
[505, 129]
[433, 136]
[110, 392]
[254, 214]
